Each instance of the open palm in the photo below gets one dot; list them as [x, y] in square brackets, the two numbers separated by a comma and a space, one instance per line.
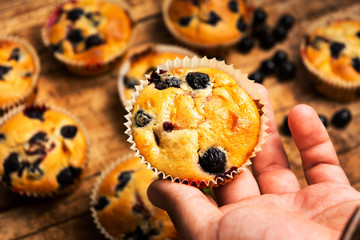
[269, 204]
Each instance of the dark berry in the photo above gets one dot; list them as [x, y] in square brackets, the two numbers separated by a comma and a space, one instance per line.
[285, 126]
[280, 56]
[130, 82]
[38, 137]
[213, 161]
[138, 234]
[141, 119]
[233, 6]
[11, 163]
[75, 14]
[257, 76]
[241, 25]
[168, 127]
[167, 82]
[336, 48]
[154, 78]
[139, 208]
[58, 47]
[75, 36]
[341, 118]
[92, 41]
[287, 21]
[28, 74]
[286, 71]
[195, 3]
[213, 18]
[68, 131]
[157, 139]
[15, 54]
[323, 119]
[259, 31]
[4, 70]
[185, 21]
[219, 59]
[267, 42]
[259, 16]
[150, 70]
[123, 179]
[267, 66]
[279, 33]
[102, 203]
[35, 112]
[198, 80]
[68, 176]
[2, 137]
[317, 40]
[94, 18]
[356, 64]
[358, 34]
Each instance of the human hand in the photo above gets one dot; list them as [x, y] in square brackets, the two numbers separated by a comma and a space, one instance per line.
[269, 204]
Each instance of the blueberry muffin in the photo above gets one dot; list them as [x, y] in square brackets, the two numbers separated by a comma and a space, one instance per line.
[331, 52]
[206, 23]
[19, 70]
[42, 151]
[143, 60]
[195, 124]
[121, 208]
[88, 35]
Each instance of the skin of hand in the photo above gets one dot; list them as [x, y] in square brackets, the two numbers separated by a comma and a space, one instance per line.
[269, 203]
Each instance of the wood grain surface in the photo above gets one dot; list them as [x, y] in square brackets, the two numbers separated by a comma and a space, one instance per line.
[95, 101]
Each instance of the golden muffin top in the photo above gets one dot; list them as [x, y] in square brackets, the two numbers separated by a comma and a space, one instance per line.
[334, 50]
[41, 151]
[208, 22]
[17, 68]
[195, 124]
[88, 31]
[123, 208]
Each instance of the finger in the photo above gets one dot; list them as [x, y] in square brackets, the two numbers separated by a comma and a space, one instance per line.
[189, 209]
[318, 155]
[242, 186]
[270, 166]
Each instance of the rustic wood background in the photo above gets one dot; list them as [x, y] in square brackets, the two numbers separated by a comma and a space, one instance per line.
[96, 102]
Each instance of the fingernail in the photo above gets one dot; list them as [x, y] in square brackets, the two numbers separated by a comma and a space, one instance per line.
[155, 196]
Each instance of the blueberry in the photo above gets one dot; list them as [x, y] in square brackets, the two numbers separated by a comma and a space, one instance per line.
[35, 112]
[123, 179]
[358, 34]
[259, 16]
[2, 137]
[154, 78]
[75, 14]
[38, 137]
[286, 71]
[195, 3]
[341, 118]
[259, 31]
[130, 82]
[280, 56]
[257, 76]
[68, 176]
[93, 17]
[167, 82]
[213, 161]
[285, 126]
[336, 48]
[267, 66]
[138, 234]
[139, 208]
[28, 74]
[279, 33]
[58, 47]
[219, 59]
[92, 41]
[233, 6]
[213, 18]
[75, 36]
[185, 21]
[198, 80]
[11, 163]
[168, 127]
[141, 119]
[15, 54]
[241, 25]
[356, 64]
[102, 203]
[323, 119]
[267, 42]
[317, 40]
[4, 70]
[150, 70]
[68, 131]
[287, 21]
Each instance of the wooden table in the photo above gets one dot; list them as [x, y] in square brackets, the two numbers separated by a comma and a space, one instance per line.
[96, 102]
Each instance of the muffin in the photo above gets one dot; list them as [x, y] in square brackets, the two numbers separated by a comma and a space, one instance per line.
[42, 151]
[19, 71]
[331, 53]
[121, 208]
[206, 23]
[196, 121]
[143, 60]
[88, 35]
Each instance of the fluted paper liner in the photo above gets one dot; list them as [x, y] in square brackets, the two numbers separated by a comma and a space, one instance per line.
[332, 87]
[126, 63]
[29, 96]
[67, 189]
[241, 80]
[81, 67]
